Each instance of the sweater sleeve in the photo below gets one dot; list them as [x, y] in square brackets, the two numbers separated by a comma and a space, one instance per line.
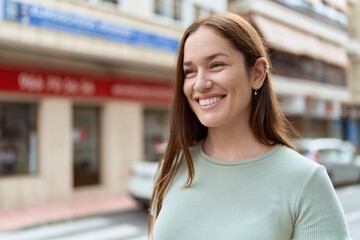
[318, 213]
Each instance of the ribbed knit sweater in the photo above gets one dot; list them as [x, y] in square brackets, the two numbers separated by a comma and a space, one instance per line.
[280, 195]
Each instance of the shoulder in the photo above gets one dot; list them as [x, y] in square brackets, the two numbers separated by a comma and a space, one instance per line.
[295, 168]
[292, 161]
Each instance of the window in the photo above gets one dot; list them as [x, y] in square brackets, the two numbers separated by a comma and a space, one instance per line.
[197, 11]
[201, 12]
[86, 146]
[18, 139]
[105, 2]
[156, 133]
[336, 156]
[305, 67]
[176, 6]
[111, 1]
[159, 7]
[169, 8]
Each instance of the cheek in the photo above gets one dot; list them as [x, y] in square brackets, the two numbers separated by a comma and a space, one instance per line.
[187, 89]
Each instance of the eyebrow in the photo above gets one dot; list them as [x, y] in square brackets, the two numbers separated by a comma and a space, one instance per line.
[208, 58]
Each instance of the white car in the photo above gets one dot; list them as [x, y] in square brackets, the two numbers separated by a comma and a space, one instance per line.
[336, 155]
[141, 183]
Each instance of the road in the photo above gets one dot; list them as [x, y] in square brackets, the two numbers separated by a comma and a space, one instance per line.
[125, 226]
[350, 200]
[132, 225]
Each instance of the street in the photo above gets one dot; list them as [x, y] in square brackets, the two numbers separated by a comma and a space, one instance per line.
[350, 200]
[132, 225]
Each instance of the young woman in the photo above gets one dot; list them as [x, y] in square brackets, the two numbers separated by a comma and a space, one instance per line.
[230, 171]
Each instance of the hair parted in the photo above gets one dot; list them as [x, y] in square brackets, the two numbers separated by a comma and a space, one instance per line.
[268, 123]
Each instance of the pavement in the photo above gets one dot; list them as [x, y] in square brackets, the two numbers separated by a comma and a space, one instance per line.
[64, 210]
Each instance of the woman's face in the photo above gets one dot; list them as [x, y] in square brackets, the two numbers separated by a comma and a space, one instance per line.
[217, 84]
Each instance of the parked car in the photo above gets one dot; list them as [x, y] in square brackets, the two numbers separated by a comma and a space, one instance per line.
[141, 183]
[336, 155]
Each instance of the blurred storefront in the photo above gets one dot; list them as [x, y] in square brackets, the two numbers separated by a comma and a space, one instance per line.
[75, 88]
[62, 130]
[308, 42]
[84, 93]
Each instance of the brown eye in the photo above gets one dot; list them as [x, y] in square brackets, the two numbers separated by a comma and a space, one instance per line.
[189, 72]
[217, 64]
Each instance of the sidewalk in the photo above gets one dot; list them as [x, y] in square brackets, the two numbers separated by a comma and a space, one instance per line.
[60, 211]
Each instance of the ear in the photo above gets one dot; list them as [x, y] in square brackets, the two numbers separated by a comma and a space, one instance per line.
[259, 72]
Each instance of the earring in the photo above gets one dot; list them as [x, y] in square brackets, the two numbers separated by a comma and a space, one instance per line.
[255, 92]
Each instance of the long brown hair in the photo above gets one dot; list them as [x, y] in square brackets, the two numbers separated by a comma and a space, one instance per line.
[267, 121]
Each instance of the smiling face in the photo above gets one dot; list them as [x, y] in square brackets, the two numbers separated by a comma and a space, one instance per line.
[217, 85]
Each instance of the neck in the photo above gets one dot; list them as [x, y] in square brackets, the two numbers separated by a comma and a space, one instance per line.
[233, 143]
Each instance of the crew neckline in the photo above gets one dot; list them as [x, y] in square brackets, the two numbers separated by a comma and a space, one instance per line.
[210, 159]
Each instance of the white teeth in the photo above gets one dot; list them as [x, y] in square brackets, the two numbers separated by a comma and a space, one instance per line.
[209, 101]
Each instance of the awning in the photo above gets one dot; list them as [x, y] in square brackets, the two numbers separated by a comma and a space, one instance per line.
[297, 42]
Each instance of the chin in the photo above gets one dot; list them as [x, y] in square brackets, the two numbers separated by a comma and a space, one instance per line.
[209, 123]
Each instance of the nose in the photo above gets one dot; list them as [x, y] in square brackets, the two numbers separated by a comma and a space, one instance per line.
[203, 82]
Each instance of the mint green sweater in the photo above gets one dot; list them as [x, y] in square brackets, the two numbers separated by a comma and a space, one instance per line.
[277, 196]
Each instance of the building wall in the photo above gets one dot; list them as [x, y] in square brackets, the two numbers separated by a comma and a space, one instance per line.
[54, 177]
[215, 6]
[55, 148]
[138, 7]
[122, 142]
[43, 51]
[354, 49]
[283, 22]
[89, 48]
[352, 129]
[354, 27]
[354, 73]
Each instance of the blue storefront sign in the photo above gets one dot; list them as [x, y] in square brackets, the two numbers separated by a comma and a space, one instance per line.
[53, 19]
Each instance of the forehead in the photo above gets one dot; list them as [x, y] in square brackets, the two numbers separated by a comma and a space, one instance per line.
[206, 41]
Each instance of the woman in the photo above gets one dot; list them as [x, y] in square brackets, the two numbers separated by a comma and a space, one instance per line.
[230, 171]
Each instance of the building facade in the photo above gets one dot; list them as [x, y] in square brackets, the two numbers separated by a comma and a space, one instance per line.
[352, 116]
[84, 92]
[312, 60]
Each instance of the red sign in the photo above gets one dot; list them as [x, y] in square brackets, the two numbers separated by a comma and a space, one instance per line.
[36, 82]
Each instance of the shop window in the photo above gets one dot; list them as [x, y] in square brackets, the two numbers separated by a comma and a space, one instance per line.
[18, 139]
[156, 133]
[86, 141]
[168, 8]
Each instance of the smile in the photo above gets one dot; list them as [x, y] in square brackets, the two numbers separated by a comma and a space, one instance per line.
[209, 101]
